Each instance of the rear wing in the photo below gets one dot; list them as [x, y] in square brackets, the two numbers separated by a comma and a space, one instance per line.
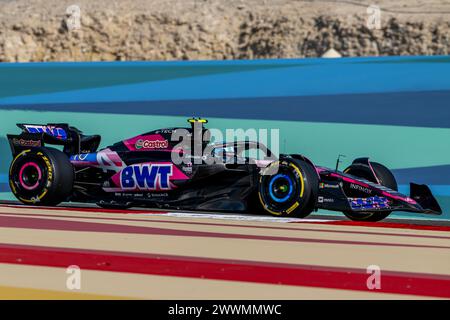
[38, 135]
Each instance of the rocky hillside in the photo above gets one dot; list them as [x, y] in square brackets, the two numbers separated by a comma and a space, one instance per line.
[38, 30]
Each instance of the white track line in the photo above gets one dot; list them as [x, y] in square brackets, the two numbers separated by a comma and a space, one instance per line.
[200, 215]
[237, 217]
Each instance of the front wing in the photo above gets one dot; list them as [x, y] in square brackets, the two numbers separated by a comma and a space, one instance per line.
[374, 197]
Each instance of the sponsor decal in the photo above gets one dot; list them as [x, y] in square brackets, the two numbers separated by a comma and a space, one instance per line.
[57, 132]
[105, 159]
[167, 131]
[187, 168]
[26, 143]
[325, 200]
[369, 203]
[157, 195]
[360, 188]
[84, 157]
[81, 157]
[146, 177]
[152, 144]
[323, 185]
[128, 195]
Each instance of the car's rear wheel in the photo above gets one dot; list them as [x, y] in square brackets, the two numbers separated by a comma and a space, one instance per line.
[287, 188]
[385, 177]
[41, 176]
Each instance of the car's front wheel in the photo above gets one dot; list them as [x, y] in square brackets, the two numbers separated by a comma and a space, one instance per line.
[287, 188]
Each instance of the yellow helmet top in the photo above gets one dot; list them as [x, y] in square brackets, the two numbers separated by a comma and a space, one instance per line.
[193, 120]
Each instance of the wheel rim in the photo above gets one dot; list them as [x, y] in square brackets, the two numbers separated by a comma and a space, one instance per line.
[30, 176]
[282, 192]
[280, 188]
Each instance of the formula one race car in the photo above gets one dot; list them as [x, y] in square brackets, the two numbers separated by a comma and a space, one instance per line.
[157, 170]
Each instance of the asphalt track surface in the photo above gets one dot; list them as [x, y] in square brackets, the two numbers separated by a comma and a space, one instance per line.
[158, 254]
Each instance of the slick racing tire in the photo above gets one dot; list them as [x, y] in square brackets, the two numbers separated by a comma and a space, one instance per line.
[290, 191]
[385, 177]
[41, 176]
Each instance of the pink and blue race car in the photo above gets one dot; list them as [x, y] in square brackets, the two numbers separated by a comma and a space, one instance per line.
[141, 171]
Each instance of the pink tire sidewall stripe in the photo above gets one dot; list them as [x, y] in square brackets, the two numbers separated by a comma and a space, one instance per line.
[22, 182]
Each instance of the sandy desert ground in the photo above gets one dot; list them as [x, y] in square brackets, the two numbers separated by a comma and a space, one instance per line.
[36, 30]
